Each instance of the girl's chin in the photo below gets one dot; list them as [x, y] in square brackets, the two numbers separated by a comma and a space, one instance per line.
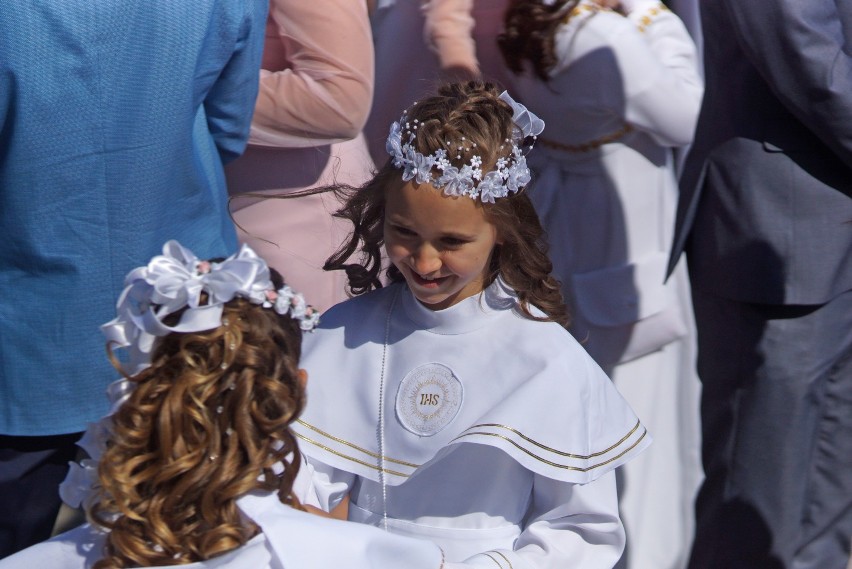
[434, 302]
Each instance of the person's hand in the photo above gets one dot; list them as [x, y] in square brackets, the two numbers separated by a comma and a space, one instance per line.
[316, 511]
[459, 73]
[339, 512]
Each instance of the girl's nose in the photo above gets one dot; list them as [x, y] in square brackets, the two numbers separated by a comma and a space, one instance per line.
[425, 260]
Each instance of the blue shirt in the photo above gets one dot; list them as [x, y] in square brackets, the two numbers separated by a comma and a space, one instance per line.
[115, 119]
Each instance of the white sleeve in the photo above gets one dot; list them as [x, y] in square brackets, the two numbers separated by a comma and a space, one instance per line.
[569, 525]
[320, 485]
[659, 66]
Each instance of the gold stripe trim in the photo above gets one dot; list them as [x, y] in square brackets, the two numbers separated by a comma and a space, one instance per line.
[491, 557]
[353, 459]
[553, 450]
[555, 464]
[354, 446]
[587, 146]
[506, 559]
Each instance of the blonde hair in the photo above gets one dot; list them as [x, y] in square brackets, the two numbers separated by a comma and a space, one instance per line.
[207, 422]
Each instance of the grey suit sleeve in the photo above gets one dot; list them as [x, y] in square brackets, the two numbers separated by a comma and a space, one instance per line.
[802, 49]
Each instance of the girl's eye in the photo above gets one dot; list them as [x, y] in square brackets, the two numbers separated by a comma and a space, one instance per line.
[453, 241]
[404, 231]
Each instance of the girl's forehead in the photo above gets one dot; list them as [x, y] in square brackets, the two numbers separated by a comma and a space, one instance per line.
[427, 206]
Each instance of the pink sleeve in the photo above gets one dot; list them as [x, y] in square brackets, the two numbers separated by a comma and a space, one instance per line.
[323, 90]
[448, 29]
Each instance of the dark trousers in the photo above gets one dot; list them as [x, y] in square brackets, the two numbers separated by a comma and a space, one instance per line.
[31, 469]
[776, 416]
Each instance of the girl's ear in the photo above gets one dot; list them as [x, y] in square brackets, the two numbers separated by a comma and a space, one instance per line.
[498, 238]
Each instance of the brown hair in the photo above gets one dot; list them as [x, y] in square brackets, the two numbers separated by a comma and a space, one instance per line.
[528, 34]
[206, 423]
[471, 110]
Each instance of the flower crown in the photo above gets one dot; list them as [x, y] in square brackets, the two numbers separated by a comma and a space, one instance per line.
[511, 173]
[175, 280]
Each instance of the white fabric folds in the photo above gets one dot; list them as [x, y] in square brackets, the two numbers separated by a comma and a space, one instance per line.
[289, 539]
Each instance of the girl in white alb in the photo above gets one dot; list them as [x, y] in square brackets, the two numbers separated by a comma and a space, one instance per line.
[452, 405]
[193, 468]
[619, 90]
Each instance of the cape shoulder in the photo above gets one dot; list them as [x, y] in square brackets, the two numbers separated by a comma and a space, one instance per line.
[497, 378]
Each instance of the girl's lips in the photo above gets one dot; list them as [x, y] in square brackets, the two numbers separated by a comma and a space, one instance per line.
[427, 283]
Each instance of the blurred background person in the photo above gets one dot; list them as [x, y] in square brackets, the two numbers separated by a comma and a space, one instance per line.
[617, 85]
[115, 119]
[316, 87]
[765, 217]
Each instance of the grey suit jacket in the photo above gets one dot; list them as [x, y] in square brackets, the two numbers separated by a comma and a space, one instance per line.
[765, 212]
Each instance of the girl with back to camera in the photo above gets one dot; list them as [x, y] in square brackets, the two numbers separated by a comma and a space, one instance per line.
[452, 405]
[194, 467]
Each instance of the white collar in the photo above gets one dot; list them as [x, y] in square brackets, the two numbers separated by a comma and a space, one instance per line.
[468, 315]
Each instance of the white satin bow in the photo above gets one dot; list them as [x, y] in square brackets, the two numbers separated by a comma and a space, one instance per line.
[526, 122]
[175, 280]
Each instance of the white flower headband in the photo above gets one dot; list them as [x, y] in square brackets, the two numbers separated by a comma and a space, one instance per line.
[511, 173]
[175, 280]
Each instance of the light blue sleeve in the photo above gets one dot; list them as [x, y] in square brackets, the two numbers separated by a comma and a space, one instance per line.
[230, 103]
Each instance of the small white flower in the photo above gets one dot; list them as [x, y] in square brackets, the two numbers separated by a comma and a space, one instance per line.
[298, 306]
[285, 297]
[310, 321]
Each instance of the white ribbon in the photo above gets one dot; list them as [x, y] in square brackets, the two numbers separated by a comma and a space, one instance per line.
[526, 122]
[175, 280]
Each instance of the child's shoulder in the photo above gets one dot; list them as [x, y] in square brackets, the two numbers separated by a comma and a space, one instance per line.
[359, 307]
[538, 332]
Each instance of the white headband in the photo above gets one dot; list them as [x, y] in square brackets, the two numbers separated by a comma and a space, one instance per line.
[511, 173]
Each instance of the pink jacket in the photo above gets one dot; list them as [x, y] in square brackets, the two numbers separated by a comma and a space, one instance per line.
[316, 81]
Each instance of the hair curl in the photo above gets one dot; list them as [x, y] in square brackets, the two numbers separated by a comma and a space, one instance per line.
[528, 34]
[193, 437]
[474, 111]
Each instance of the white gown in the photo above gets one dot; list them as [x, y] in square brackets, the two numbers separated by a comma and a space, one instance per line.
[624, 92]
[493, 435]
[289, 539]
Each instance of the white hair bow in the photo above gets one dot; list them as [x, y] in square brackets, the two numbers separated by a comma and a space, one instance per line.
[175, 280]
[526, 122]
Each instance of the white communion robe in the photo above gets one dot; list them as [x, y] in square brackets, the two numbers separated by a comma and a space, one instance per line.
[493, 435]
[608, 205]
[290, 539]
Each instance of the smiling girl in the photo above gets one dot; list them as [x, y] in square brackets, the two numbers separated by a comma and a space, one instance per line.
[452, 405]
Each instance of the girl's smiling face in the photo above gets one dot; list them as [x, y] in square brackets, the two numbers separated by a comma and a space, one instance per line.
[442, 245]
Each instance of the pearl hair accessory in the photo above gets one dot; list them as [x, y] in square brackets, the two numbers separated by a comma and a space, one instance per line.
[510, 175]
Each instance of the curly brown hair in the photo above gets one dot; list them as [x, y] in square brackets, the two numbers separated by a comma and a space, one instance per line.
[206, 423]
[528, 34]
[471, 110]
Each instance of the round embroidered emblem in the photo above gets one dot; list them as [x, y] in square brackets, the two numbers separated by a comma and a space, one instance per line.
[429, 398]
